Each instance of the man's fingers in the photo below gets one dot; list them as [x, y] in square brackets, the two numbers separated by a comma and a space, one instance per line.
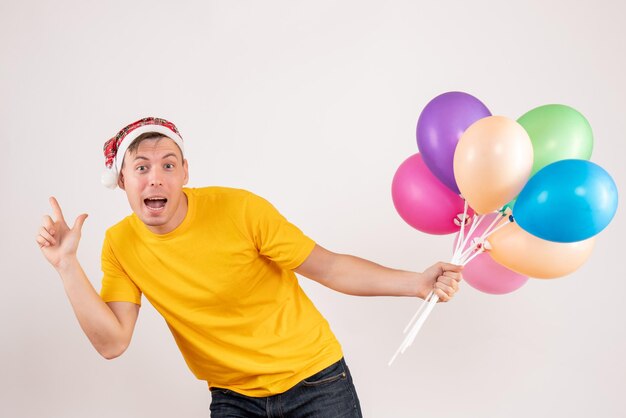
[453, 283]
[453, 275]
[47, 236]
[80, 220]
[443, 296]
[450, 267]
[446, 288]
[42, 241]
[56, 209]
[48, 223]
[444, 291]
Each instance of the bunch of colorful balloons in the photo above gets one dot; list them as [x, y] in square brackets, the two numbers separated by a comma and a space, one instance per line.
[522, 196]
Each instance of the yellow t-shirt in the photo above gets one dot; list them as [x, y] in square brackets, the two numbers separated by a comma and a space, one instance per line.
[224, 283]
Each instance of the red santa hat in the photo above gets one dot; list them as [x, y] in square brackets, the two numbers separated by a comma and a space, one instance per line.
[115, 148]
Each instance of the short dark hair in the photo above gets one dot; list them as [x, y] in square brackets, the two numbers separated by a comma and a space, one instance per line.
[132, 148]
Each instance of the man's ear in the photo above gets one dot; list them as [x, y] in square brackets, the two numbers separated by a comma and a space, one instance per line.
[186, 168]
[120, 181]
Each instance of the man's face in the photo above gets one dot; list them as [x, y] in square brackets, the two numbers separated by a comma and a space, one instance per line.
[153, 178]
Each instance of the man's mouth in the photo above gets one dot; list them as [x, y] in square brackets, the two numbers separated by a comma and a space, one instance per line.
[155, 203]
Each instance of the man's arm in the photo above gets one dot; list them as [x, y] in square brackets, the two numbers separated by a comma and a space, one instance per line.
[356, 276]
[110, 326]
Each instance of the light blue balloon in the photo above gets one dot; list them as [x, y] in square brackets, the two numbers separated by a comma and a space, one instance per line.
[567, 201]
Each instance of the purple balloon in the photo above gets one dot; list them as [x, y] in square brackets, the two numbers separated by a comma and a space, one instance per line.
[439, 128]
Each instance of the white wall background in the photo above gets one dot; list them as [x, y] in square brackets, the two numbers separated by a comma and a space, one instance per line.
[312, 105]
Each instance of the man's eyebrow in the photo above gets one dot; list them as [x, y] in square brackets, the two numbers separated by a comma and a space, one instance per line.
[141, 157]
[171, 154]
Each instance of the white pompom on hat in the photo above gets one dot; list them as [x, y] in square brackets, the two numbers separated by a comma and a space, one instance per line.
[115, 148]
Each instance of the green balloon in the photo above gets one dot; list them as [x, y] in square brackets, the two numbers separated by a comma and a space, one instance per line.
[511, 204]
[557, 132]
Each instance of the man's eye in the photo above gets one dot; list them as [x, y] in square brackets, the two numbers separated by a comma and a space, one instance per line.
[168, 165]
[141, 168]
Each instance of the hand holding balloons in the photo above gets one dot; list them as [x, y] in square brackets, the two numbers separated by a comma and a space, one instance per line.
[490, 161]
[562, 199]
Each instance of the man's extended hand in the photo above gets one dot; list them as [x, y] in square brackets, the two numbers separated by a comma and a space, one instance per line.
[443, 278]
[57, 241]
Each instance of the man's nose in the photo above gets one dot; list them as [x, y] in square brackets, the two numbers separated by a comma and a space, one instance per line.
[156, 178]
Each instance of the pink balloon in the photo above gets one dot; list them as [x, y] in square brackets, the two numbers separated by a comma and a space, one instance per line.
[423, 201]
[485, 274]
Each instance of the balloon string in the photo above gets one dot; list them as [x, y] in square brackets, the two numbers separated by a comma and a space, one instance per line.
[479, 242]
[465, 205]
[498, 227]
[490, 227]
[409, 338]
[418, 320]
[477, 220]
[474, 255]
[419, 323]
[419, 311]
[473, 246]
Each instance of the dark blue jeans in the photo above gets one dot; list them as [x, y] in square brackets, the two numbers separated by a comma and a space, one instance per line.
[329, 393]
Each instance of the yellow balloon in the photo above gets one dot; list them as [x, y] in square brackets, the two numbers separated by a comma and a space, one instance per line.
[527, 254]
[492, 162]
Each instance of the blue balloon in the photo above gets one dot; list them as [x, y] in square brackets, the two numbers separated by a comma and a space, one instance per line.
[567, 201]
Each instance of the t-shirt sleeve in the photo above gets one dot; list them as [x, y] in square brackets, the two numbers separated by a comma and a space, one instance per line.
[116, 285]
[275, 237]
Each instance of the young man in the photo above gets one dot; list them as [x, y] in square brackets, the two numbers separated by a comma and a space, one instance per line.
[219, 265]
